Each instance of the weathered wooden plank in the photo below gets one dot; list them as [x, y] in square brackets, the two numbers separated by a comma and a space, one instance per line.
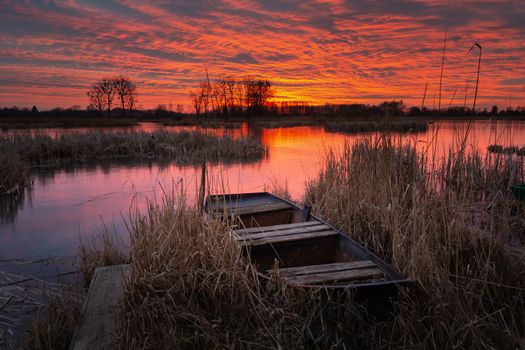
[313, 228]
[261, 208]
[276, 227]
[313, 269]
[347, 275]
[289, 238]
[98, 322]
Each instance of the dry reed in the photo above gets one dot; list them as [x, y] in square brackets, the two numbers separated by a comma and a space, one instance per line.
[55, 323]
[181, 147]
[446, 225]
[192, 288]
[374, 126]
[14, 175]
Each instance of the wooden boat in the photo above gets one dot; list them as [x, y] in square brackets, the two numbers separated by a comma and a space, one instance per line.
[308, 251]
[518, 191]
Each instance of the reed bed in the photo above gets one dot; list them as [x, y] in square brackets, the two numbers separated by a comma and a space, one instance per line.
[192, 288]
[383, 126]
[290, 123]
[520, 151]
[25, 122]
[14, 175]
[181, 147]
[204, 123]
[446, 223]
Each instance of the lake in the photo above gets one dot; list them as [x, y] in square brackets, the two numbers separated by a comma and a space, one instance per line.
[68, 204]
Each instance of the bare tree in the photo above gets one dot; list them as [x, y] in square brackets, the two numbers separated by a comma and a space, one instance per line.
[96, 98]
[205, 95]
[258, 93]
[102, 94]
[108, 92]
[125, 89]
[196, 99]
[230, 88]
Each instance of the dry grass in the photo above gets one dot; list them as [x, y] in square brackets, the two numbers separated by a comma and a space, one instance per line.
[101, 250]
[182, 147]
[445, 225]
[520, 151]
[14, 175]
[55, 323]
[192, 288]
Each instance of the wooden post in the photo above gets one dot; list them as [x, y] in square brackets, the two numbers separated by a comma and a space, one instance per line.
[202, 189]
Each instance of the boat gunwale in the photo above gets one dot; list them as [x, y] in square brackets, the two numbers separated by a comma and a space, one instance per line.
[393, 277]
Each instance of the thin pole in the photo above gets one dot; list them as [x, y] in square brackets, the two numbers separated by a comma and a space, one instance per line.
[202, 189]
[452, 99]
[424, 96]
[466, 88]
[442, 67]
[477, 79]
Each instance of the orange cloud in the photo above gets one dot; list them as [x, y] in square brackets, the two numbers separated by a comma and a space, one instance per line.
[322, 51]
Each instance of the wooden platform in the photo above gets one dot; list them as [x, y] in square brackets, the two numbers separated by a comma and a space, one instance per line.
[98, 323]
[284, 233]
[352, 271]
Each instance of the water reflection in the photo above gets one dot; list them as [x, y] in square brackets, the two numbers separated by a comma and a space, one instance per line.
[11, 203]
[67, 202]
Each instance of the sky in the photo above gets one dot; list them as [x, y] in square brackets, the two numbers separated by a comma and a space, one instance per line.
[317, 51]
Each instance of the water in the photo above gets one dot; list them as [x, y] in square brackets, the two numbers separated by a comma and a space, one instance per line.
[66, 205]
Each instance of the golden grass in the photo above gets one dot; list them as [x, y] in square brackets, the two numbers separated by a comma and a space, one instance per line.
[192, 288]
[101, 250]
[445, 225]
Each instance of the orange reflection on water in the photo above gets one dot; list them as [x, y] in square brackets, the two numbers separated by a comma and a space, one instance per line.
[67, 204]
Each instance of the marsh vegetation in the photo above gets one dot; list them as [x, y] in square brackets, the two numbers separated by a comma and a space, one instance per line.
[448, 223]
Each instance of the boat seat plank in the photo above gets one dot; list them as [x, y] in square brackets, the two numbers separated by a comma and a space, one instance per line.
[314, 228]
[337, 276]
[276, 227]
[313, 269]
[288, 238]
[252, 209]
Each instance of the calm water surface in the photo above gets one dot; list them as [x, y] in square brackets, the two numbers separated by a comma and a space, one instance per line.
[67, 204]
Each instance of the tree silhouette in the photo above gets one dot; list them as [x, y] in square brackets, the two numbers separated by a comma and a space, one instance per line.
[102, 94]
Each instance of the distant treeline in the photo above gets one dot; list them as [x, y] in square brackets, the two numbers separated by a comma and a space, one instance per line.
[248, 98]
[387, 108]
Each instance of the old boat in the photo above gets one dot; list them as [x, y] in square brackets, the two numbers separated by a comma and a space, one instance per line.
[280, 237]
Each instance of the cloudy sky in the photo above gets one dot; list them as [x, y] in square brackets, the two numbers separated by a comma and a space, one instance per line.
[319, 51]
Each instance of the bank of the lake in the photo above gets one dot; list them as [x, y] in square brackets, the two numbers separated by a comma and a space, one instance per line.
[449, 227]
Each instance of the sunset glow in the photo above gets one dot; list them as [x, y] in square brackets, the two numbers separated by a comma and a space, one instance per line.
[319, 51]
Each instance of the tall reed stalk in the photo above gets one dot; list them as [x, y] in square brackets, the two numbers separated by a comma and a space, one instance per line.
[446, 225]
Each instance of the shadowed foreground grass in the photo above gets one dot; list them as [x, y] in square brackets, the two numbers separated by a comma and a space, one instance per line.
[191, 288]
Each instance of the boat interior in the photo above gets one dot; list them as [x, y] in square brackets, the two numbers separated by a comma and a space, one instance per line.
[280, 237]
